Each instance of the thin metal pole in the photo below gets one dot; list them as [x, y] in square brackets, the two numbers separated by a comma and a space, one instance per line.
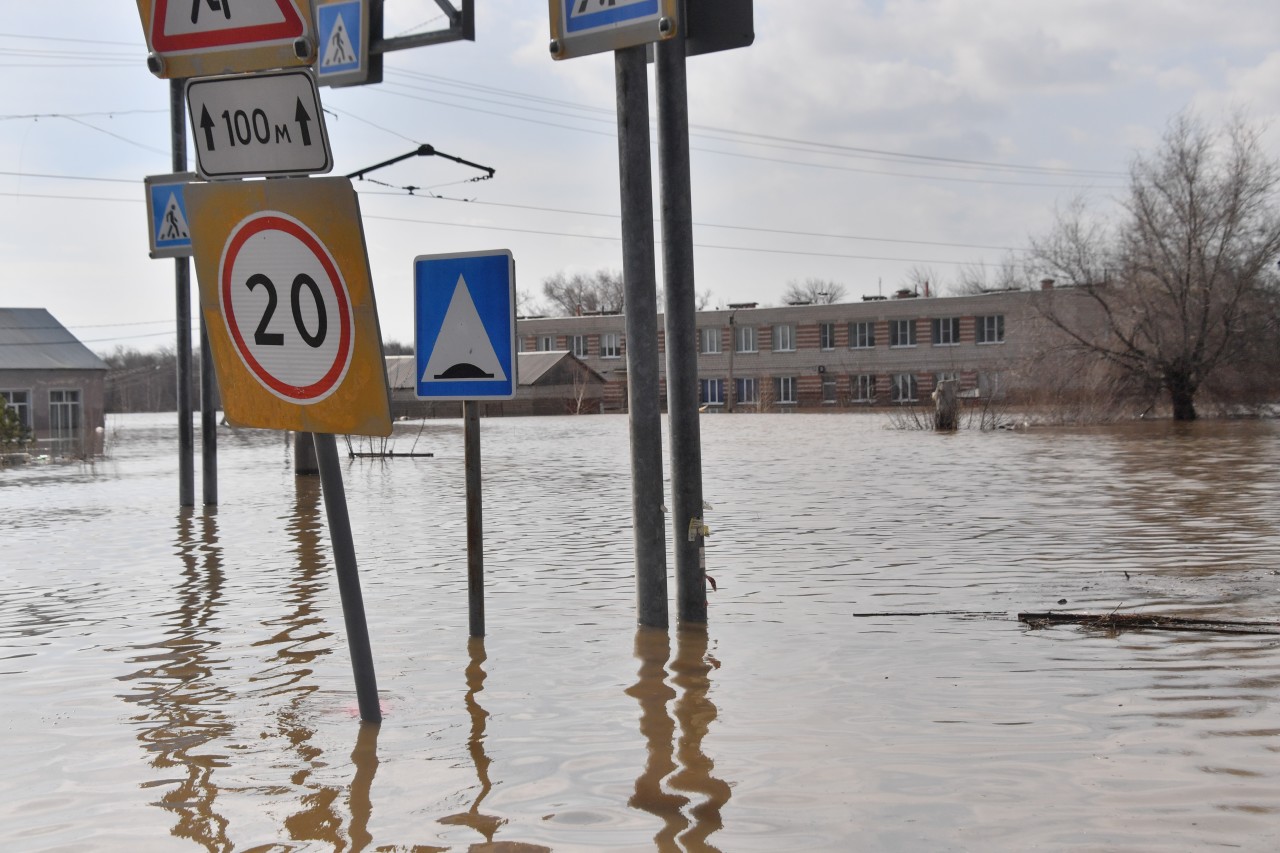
[208, 421]
[682, 329]
[344, 560]
[182, 287]
[475, 519]
[641, 301]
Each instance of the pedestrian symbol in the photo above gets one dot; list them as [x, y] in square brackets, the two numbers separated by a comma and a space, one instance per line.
[344, 42]
[170, 236]
[173, 225]
[339, 53]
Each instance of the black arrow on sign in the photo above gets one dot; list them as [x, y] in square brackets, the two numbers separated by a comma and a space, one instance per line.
[206, 124]
[303, 118]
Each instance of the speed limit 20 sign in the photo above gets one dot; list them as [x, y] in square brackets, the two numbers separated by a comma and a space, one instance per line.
[288, 303]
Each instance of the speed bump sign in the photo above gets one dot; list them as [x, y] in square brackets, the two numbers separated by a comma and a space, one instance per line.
[287, 299]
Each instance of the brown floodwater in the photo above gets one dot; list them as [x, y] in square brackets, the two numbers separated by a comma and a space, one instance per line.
[179, 679]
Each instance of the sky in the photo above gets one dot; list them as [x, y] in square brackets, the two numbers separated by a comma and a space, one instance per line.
[856, 141]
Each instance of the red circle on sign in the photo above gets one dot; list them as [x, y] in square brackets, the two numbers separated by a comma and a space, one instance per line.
[334, 373]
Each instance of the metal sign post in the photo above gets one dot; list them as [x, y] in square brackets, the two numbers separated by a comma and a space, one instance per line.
[465, 341]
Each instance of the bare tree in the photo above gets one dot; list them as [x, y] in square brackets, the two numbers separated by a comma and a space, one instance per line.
[584, 293]
[812, 290]
[1166, 289]
[1008, 274]
[922, 279]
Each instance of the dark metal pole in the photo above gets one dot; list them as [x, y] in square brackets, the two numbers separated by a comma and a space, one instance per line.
[682, 329]
[208, 421]
[344, 560]
[475, 520]
[182, 286]
[641, 301]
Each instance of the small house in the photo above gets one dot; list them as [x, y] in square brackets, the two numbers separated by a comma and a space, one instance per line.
[548, 383]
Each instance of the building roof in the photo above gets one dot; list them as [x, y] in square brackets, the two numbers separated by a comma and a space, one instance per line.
[530, 367]
[31, 339]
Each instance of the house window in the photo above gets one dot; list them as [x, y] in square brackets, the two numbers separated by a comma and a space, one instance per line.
[546, 343]
[784, 338]
[902, 333]
[862, 335]
[785, 389]
[744, 339]
[610, 345]
[946, 331]
[709, 340]
[827, 335]
[746, 389]
[828, 390]
[580, 346]
[520, 343]
[64, 413]
[20, 402]
[989, 384]
[863, 388]
[711, 392]
[903, 389]
[990, 330]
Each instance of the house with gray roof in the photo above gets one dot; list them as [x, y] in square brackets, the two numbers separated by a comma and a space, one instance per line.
[53, 382]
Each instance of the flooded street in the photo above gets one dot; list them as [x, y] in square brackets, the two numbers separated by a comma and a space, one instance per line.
[179, 679]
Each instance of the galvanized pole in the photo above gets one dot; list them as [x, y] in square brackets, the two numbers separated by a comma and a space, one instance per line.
[344, 560]
[475, 520]
[208, 421]
[641, 301]
[682, 330]
[182, 286]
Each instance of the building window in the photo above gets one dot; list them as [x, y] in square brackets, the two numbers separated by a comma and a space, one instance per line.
[990, 330]
[989, 384]
[580, 346]
[711, 392]
[520, 343]
[827, 335]
[610, 345]
[64, 413]
[862, 335]
[20, 402]
[863, 388]
[785, 389]
[946, 331]
[903, 389]
[902, 333]
[746, 389]
[828, 390]
[744, 339]
[784, 338]
[947, 376]
[709, 340]
[546, 343]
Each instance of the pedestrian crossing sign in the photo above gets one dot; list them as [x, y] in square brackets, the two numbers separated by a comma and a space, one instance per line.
[342, 48]
[465, 326]
[167, 215]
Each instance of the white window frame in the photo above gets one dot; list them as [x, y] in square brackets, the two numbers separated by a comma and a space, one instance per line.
[746, 390]
[546, 343]
[784, 337]
[709, 341]
[785, 389]
[744, 339]
[66, 412]
[22, 407]
[579, 346]
[946, 331]
[896, 330]
[826, 336]
[862, 388]
[705, 389]
[862, 334]
[904, 388]
[989, 329]
[610, 345]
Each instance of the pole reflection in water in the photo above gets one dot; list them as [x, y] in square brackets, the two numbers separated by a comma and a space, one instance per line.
[486, 825]
[176, 688]
[677, 764]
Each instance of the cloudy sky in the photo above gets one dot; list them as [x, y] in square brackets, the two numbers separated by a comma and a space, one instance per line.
[854, 141]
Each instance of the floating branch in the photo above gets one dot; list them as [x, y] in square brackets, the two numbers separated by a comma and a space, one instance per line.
[1136, 621]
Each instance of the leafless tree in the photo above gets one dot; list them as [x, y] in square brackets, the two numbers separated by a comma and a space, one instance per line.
[584, 293]
[1008, 274]
[812, 290]
[922, 279]
[1167, 288]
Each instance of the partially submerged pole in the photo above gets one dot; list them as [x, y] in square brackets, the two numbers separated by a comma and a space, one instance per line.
[475, 517]
[639, 280]
[182, 292]
[945, 406]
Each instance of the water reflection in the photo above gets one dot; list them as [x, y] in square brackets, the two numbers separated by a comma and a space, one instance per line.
[677, 764]
[486, 825]
[181, 698]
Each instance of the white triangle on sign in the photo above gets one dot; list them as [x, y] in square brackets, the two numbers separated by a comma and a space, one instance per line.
[463, 350]
[172, 224]
[187, 17]
[339, 49]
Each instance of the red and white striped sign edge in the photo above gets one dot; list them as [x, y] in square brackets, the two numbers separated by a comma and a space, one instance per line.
[209, 25]
[281, 228]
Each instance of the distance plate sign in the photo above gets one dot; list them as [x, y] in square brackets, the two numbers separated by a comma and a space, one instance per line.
[288, 304]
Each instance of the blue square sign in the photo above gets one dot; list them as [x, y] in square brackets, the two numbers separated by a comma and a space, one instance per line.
[170, 237]
[465, 326]
[342, 42]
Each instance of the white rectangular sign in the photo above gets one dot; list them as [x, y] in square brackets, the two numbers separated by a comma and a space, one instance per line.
[258, 125]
